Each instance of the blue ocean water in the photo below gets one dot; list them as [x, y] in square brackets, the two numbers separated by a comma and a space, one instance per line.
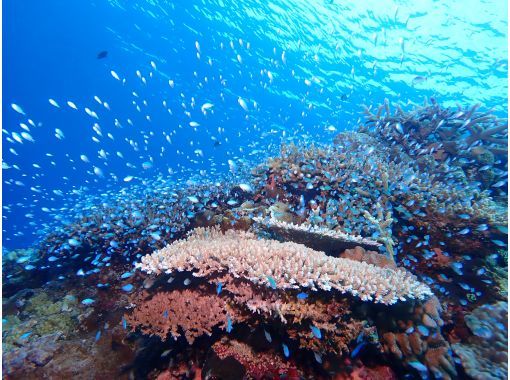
[307, 65]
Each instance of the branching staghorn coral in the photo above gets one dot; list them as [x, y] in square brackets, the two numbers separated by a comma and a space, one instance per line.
[281, 265]
[465, 137]
[383, 224]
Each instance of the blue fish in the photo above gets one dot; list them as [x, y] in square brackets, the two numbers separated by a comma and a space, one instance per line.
[87, 301]
[302, 296]
[464, 231]
[316, 331]
[272, 282]
[499, 184]
[286, 351]
[482, 227]
[126, 275]
[98, 335]
[124, 323]
[483, 332]
[268, 336]
[127, 287]
[357, 349]
[219, 287]
[165, 314]
[423, 330]
[418, 366]
[502, 229]
[229, 324]
[25, 335]
[499, 243]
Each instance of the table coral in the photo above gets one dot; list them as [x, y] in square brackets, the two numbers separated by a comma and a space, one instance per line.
[316, 237]
[281, 265]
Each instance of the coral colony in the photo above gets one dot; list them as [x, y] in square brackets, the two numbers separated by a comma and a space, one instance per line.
[379, 256]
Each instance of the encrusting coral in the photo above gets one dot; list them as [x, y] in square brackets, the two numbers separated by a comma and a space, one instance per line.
[281, 265]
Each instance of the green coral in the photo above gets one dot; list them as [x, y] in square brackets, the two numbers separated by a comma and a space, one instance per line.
[50, 315]
[41, 316]
[12, 330]
[41, 305]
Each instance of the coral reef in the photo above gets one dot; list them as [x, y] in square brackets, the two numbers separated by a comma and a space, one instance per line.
[47, 317]
[302, 270]
[412, 331]
[429, 125]
[383, 224]
[369, 257]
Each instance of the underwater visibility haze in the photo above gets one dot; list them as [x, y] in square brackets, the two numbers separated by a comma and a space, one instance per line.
[255, 190]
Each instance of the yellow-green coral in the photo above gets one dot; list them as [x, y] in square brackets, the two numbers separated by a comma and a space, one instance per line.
[44, 317]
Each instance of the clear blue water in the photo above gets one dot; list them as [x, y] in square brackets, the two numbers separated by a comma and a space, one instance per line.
[307, 65]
